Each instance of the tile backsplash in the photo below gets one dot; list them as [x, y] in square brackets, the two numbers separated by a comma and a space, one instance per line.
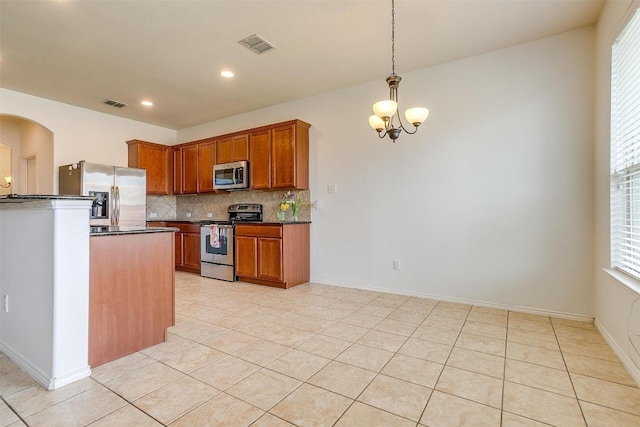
[177, 207]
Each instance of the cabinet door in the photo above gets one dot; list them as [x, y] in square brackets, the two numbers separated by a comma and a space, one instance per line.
[190, 169]
[156, 160]
[233, 149]
[191, 250]
[240, 147]
[270, 259]
[246, 256]
[179, 254]
[177, 171]
[283, 156]
[206, 160]
[260, 159]
[224, 149]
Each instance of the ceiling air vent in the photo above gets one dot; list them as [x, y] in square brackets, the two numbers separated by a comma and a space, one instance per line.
[113, 103]
[257, 44]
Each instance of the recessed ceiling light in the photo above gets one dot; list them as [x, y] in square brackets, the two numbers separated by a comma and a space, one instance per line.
[226, 73]
[147, 103]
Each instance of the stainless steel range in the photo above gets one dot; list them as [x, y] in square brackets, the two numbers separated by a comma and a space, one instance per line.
[217, 259]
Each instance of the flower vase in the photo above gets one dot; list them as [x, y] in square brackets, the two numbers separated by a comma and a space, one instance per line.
[281, 215]
[295, 217]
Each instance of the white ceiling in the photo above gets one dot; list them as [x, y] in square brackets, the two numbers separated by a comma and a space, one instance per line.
[82, 52]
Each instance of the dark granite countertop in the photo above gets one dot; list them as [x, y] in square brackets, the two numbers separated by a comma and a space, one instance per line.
[109, 230]
[208, 221]
[186, 221]
[275, 222]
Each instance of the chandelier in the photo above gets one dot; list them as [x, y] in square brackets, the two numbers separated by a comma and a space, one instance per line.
[386, 112]
[6, 179]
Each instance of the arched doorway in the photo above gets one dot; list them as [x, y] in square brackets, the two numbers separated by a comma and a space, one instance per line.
[29, 148]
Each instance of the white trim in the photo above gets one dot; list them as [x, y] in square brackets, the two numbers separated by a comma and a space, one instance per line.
[40, 377]
[631, 367]
[56, 383]
[48, 204]
[626, 281]
[515, 308]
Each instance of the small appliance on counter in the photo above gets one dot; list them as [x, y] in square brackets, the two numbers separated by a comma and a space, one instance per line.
[120, 193]
[217, 241]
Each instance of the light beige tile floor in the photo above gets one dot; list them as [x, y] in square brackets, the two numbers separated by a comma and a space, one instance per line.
[318, 355]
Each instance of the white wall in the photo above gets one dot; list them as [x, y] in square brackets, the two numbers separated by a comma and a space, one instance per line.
[81, 134]
[614, 299]
[36, 142]
[492, 199]
[10, 136]
[45, 327]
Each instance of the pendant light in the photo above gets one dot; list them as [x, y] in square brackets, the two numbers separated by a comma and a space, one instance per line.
[386, 112]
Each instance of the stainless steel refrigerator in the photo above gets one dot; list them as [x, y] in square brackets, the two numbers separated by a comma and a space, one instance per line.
[120, 193]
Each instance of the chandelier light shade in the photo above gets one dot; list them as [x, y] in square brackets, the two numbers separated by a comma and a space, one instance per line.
[6, 179]
[386, 112]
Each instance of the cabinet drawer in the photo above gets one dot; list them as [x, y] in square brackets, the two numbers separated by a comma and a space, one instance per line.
[185, 227]
[259, 230]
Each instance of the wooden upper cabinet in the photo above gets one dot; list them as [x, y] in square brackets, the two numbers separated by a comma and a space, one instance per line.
[190, 169]
[260, 159]
[278, 157]
[206, 160]
[177, 171]
[185, 169]
[156, 159]
[290, 155]
[234, 148]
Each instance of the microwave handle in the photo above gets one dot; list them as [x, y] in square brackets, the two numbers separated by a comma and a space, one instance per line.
[236, 175]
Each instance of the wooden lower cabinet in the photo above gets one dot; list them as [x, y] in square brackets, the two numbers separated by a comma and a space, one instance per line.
[187, 246]
[273, 254]
[131, 293]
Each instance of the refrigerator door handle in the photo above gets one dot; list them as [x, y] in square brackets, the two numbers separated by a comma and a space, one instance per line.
[112, 210]
[117, 205]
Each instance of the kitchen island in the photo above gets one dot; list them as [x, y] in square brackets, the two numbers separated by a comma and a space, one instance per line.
[46, 272]
[131, 290]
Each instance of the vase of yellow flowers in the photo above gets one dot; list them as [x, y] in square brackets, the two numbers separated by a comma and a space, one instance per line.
[282, 212]
[289, 200]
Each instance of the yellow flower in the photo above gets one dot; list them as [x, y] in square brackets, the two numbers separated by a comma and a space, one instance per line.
[284, 206]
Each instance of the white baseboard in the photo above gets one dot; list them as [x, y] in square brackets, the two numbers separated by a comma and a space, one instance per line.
[40, 377]
[519, 309]
[632, 368]
[69, 378]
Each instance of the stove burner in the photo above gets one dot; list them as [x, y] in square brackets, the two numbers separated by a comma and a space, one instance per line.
[246, 212]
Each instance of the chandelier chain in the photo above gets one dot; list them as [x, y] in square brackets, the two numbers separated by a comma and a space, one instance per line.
[393, 38]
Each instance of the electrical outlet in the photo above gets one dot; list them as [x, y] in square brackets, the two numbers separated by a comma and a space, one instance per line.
[5, 303]
[332, 188]
[209, 215]
[396, 264]
[188, 214]
[153, 215]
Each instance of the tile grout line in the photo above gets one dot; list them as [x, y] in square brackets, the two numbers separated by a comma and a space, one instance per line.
[12, 410]
[568, 373]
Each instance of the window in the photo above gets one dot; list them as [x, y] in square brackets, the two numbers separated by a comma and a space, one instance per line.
[625, 149]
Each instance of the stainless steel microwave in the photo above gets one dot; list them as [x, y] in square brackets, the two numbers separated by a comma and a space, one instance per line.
[231, 176]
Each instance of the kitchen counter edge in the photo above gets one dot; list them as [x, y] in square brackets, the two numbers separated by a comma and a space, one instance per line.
[208, 221]
[112, 231]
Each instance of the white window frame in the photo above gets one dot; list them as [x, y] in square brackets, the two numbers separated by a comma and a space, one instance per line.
[625, 149]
